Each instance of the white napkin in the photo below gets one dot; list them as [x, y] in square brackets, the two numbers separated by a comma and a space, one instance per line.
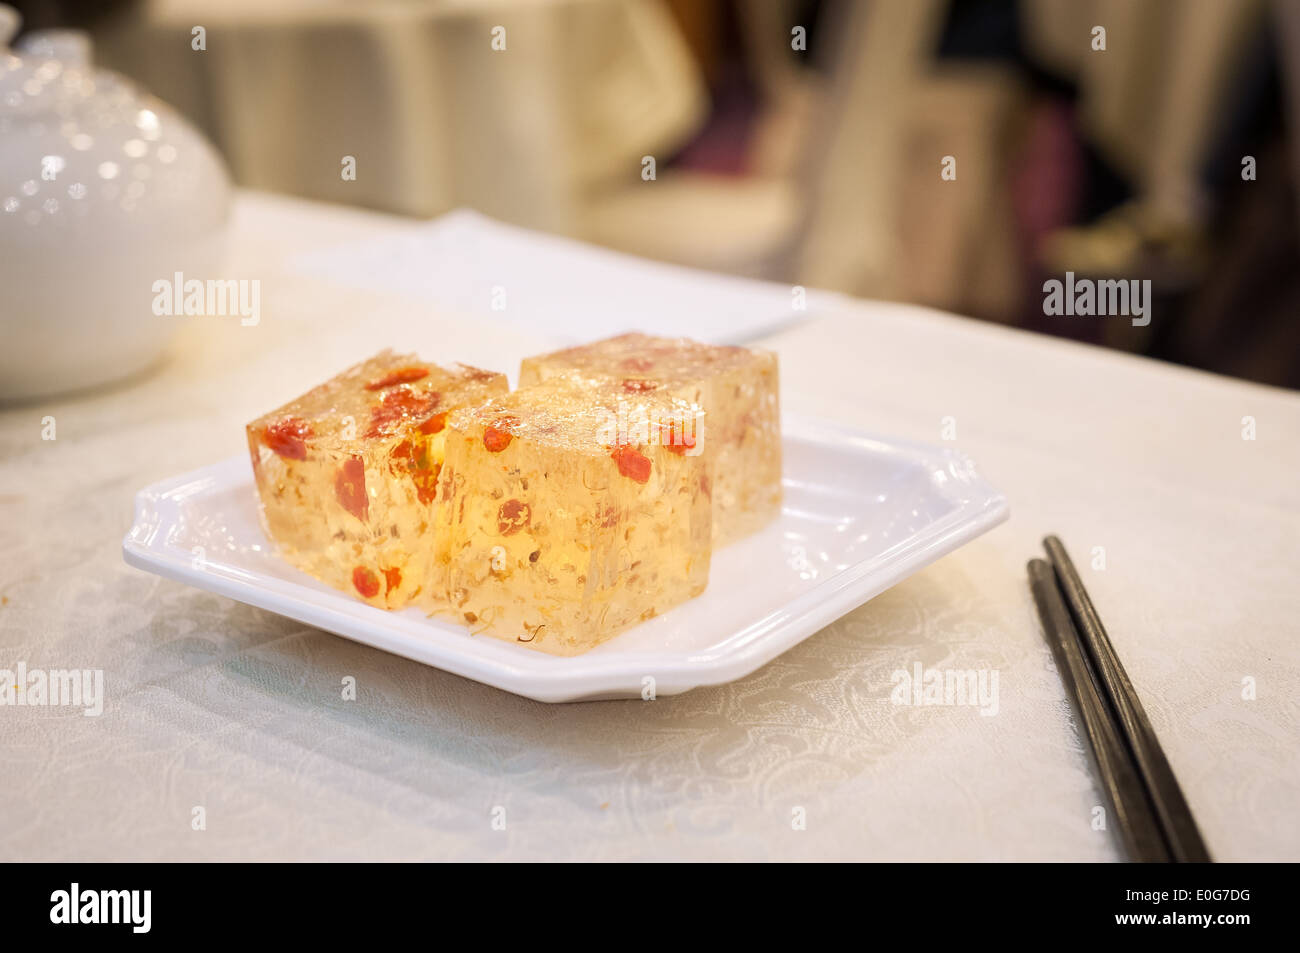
[560, 290]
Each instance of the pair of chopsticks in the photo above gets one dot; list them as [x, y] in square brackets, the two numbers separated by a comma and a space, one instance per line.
[1154, 820]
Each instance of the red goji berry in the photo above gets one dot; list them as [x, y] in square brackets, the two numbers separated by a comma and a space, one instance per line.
[496, 437]
[632, 464]
[288, 437]
[434, 424]
[675, 439]
[398, 405]
[403, 375]
[350, 488]
[366, 582]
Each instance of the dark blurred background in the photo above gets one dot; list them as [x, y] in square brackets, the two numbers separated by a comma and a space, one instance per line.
[794, 140]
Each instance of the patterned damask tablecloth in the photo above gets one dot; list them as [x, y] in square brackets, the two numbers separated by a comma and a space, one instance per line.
[214, 704]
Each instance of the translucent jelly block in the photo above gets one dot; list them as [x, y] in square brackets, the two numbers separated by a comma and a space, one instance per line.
[738, 389]
[566, 518]
[348, 473]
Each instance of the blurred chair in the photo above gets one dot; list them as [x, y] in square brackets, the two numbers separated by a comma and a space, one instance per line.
[738, 224]
[819, 203]
[845, 192]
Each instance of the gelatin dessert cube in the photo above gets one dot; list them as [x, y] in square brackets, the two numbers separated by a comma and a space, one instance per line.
[738, 389]
[567, 517]
[347, 474]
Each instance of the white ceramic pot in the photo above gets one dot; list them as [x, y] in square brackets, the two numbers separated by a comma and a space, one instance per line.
[103, 191]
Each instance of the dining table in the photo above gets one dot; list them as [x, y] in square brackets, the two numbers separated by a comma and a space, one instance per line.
[224, 733]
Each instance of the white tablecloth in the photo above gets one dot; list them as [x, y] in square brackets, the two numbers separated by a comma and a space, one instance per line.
[216, 705]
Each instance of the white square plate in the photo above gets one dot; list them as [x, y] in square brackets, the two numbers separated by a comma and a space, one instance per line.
[860, 515]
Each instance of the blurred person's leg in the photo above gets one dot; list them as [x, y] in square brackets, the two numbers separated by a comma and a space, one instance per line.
[1210, 38]
[850, 239]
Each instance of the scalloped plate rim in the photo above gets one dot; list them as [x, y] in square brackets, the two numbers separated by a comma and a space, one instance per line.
[977, 509]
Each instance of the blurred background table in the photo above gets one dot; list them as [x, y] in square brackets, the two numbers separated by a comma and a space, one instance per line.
[215, 704]
[434, 113]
